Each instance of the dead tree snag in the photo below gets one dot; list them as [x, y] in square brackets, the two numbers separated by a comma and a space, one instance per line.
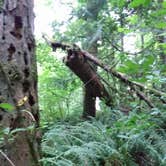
[77, 62]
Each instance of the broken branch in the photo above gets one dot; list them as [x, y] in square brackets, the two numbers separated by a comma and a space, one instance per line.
[116, 74]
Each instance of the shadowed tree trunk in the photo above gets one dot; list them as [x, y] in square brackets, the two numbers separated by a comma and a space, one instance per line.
[162, 41]
[18, 83]
[90, 100]
[162, 54]
[93, 7]
[93, 86]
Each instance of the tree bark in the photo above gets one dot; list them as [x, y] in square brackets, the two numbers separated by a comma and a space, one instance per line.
[90, 100]
[93, 86]
[89, 109]
[18, 83]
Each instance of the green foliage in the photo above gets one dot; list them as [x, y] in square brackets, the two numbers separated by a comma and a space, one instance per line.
[59, 89]
[112, 139]
[7, 106]
[137, 3]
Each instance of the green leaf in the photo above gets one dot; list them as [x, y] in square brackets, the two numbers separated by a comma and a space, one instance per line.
[124, 30]
[129, 67]
[146, 2]
[133, 19]
[137, 3]
[141, 80]
[164, 4]
[29, 128]
[6, 131]
[121, 3]
[7, 106]
[160, 25]
[163, 45]
[147, 62]
[123, 136]
[155, 111]
[161, 12]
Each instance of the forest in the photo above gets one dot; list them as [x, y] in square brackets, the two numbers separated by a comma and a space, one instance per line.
[92, 92]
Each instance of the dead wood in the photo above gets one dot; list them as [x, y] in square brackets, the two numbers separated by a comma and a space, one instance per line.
[76, 61]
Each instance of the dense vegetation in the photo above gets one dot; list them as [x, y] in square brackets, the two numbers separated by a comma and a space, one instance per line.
[129, 37]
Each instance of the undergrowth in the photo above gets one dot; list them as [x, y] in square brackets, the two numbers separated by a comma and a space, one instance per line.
[111, 139]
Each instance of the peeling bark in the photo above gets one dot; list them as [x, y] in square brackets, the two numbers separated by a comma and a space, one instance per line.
[18, 81]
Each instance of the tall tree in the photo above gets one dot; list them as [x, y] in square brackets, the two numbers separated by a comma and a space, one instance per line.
[93, 8]
[18, 84]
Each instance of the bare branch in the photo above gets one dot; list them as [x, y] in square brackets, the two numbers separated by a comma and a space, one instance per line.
[118, 48]
[7, 158]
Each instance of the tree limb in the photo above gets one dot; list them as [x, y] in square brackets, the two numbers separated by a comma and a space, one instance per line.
[116, 74]
[119, 75]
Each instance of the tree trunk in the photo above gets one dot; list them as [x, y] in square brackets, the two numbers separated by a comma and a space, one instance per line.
[93, 86]
[18, 83]
[162, 40]
[89, 109]
[90, 100]
[122, 33]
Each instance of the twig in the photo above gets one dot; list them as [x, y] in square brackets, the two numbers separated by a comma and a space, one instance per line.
[7, 158]
[143, 97]
[45, 37]
[56, 45]
[30, 115]
[118, 48]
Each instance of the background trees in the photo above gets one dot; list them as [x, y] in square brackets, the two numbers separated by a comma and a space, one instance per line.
[127, 133]
[128, 36]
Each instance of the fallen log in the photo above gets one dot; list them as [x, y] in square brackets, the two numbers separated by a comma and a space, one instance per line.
[74, 52]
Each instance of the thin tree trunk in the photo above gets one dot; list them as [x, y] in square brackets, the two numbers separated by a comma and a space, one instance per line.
[18, 83]
[93, 86]
[89, 104]
[122, 34]
[162, 40]
[142, 42]
[89, 100]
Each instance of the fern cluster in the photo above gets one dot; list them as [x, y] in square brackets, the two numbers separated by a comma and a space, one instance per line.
[112, 139]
